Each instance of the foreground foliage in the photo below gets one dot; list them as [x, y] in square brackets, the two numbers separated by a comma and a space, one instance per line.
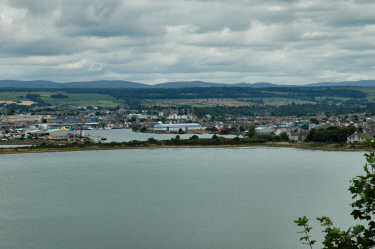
[363, 193]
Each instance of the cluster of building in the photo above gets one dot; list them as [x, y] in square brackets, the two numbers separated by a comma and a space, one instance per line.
[44, 128]
[65, 125]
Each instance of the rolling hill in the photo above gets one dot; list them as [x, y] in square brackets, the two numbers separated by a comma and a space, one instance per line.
[120, 84]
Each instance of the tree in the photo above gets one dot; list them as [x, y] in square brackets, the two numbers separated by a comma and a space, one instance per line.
[251, 132]
[314, 120]
[363, 193]
[194, 137]
[331, 134]
[152, 140]
[284, 137]
[58, 96]
[181, 131]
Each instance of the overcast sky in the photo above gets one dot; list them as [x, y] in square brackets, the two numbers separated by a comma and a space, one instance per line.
[152, 41]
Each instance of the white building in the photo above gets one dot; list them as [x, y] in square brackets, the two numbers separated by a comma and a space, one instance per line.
[177, 127]
[175, 116]
[264, 130]
[356, 138]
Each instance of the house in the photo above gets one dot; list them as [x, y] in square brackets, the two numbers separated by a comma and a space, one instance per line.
[294, 136]
[282, 130]
[61, 134]
[54, 134]
[357, 138]
[22, 118]
[264, 130]
[175, 116]
[294, 133]
[303, 126]
[214, 126]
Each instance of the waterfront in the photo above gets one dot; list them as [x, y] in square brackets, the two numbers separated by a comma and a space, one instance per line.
[171, 198]
[126, 135]
[117, 135]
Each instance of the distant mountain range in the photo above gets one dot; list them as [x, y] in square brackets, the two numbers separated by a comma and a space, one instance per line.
[120, 84]
[344, 83]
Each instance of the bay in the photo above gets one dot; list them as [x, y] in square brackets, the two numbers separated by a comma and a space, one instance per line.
[171, 198]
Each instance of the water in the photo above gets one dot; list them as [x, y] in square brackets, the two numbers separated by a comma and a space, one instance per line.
[170, 198]
[13, 145]
[126, 135]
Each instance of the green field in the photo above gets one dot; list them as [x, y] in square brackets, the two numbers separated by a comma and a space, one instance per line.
[196, 97]
[369, 91]
[81, 99]
[12, 96]
[73, 100]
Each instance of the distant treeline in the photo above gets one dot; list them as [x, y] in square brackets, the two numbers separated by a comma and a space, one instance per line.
[286, 110]
[59, 96]
[37, 99]
[134, 97]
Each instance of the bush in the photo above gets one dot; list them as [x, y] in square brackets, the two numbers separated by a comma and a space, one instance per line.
[152, 140]
[194, 137]
[363, 193]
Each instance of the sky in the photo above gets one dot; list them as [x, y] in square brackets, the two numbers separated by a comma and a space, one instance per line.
[153, 41]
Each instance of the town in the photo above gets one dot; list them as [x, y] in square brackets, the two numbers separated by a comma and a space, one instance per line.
[68, 126]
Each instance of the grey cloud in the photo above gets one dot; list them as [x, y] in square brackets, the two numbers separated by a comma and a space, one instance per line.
[34, 7]
[44, 47]
[287, 41]
[110, 18]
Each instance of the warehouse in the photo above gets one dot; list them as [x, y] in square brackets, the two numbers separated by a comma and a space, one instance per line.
[177, 127]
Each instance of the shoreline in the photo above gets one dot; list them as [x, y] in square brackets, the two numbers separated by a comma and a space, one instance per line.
[94, 147]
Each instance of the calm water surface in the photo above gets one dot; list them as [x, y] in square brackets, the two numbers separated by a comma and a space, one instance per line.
[170, 198]
[126, 135]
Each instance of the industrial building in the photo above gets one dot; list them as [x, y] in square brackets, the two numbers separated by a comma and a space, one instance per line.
[177, 127]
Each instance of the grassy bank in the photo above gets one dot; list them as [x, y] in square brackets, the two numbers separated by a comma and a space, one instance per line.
[193, 142]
